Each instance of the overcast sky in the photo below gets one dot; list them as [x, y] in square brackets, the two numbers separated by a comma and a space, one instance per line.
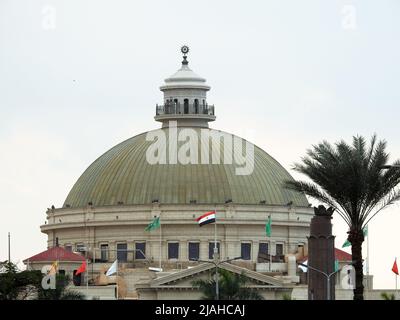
[78, 77]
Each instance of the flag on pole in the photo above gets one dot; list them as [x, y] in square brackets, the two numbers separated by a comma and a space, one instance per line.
[113, 269]
[268, 228]
[304, 268]
[54, 267]
[81, 269]
[155, 224]
[347, 242]
[206, 218]
[394, 268]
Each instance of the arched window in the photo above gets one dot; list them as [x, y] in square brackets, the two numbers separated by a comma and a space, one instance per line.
[176, 104]
[196, 106]
[186, 106]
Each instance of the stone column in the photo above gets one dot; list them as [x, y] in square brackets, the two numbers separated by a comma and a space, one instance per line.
[183, 251]
[321, 254]
[254, 250]
[203, 250]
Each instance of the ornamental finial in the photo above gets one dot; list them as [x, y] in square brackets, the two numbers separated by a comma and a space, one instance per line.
[184, 50]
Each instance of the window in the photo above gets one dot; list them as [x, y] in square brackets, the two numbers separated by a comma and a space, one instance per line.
[142, 247]
[104, 252]
[122, 253]
[246, 251]
[81, 248]
[68, 248]
[279, 251]
[211, 250]
[194, 250]
[76, 279]
[186, 106]
[196, 106]
[173, 250]
[263, 248]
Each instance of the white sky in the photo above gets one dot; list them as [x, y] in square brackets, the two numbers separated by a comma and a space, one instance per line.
[78, 77]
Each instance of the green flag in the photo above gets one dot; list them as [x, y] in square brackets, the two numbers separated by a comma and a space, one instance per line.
[153, 225]
[336, 265]
[347, 242]
[268, 227]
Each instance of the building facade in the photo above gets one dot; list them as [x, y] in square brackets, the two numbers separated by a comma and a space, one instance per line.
[199, 170]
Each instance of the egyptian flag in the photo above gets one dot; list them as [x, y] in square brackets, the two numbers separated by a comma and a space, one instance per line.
[206, 218]
[394, 268]
[81, 269]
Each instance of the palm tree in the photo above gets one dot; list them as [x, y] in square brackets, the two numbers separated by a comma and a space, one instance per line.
[388, 296]
[350, 179]
[232, 286]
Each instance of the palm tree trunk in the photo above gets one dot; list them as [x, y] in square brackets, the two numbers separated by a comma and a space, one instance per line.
[357, 238]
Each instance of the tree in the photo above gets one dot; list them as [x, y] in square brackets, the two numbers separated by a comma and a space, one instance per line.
[232, 286]
[61, 292]
[350, 179]
[15, 284]
[27, 284]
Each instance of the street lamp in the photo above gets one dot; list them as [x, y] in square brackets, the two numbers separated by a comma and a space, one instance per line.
[216, 262]
[328, 278]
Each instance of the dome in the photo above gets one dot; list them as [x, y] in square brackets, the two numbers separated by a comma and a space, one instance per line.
[123, 175]
[185, 78]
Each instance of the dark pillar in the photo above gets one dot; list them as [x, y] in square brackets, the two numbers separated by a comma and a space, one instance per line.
[321, 254]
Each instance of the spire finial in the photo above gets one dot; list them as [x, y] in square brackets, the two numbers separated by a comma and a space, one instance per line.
[185, 50]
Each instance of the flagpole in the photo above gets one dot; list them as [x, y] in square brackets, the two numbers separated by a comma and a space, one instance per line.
[270, 244]
[216, 257]
[117, 279]
[215, 232]
[396, 279]
[87, 278]
[9, 251]
[367, 257]
[160, 239]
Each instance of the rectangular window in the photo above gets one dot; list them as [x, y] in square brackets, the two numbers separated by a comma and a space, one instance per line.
[279, 249]
[81, 248]
[122, 253]
[104, 252]
[279, 252]
[263, 248]
[194, 250]
[211, 249]
[140, 252]
[173, 250]
[245, 251]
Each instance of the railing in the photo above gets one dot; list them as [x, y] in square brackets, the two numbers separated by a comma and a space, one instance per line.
[178, 108]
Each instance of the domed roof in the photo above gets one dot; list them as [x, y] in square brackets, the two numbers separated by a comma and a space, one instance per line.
[123, 175]
[185, 78]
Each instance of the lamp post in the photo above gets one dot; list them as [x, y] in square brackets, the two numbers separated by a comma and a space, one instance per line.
[328, 278]
[216, 262]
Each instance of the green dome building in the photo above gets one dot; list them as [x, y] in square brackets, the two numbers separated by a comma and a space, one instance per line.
[176, 174]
